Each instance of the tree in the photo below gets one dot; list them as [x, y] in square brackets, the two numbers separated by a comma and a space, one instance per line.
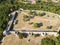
[20, 35]
[57, 40]
[35, 25]
[36, 35]
[1, 35]
[49, 27]
[35, 13]
[42, 14]
[47, 41]
[26, 17]
[31, 12]
[4, 11]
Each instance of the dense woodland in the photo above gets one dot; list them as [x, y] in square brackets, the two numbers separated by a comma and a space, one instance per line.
[51, 41]
[6, 5]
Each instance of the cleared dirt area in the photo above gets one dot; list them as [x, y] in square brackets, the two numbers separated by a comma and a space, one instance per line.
[13, 39]
[50, 19]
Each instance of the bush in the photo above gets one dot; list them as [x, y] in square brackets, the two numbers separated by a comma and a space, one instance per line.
[25, 16]
[30, 23]
[36, 25]
[42, 14]
[49, 27]
[20, 35]
[36, 35]
[57, 40]
[47, 41]
[33, 12]
[1, 35]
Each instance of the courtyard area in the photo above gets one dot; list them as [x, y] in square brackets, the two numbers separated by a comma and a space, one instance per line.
[13, 39]
[47, 21]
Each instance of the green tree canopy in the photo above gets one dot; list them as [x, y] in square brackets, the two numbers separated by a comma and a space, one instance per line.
[47, 41]
[57, 40]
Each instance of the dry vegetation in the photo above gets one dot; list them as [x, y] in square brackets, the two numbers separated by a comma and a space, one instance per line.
[49, 20]
[13, 39]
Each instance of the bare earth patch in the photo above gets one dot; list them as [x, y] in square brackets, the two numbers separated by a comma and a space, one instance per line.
[13, 39]
[50, 19]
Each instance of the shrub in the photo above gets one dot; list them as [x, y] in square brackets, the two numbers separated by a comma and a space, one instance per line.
[1, 35]
[20, 35]
[47, 41]
[31, 12]
[57, 40]
[42, 14]
[47, 15]
[34, 13]
[37, 25]
[36, 35]
[25, 16]
[30, 23]
[49, 27]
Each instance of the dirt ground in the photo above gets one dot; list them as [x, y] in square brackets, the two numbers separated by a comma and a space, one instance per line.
[53, 20]
[13, 39]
